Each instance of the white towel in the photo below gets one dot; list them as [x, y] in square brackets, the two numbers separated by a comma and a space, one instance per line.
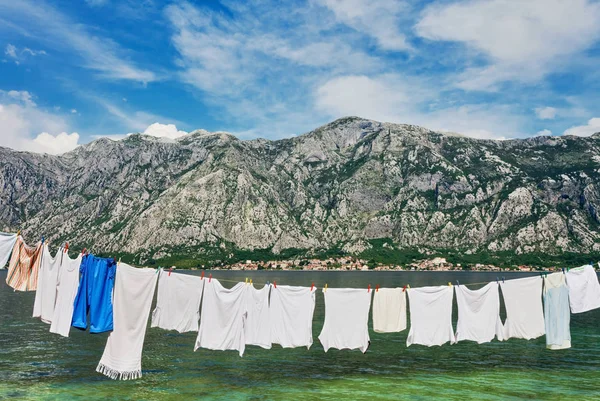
[557, 315]
[68, 283]
[524, 310]
[389, 310]
[178, 302]
[478, 314]
[430, 316]
[222, 318]
[346, 319]
[45, 294]
[584, 290]
[258, 327]
[7, 242]
[133, 293]
[291, 310]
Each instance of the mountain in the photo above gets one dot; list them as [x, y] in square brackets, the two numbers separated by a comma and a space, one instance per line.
[354, 185]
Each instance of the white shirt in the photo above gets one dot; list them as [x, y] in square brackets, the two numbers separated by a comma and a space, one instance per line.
[389, 310]
[258, 327]
[584, 289]
[45, 295]
[430, 316]
[68, 283]
[524, 310]
[178, 302]
[7, 243]
[291, 311]
[478, 314]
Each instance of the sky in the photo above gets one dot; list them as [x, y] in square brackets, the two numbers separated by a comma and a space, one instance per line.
[71, 72]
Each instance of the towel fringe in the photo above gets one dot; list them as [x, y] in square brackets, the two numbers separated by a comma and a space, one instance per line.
[117, 375]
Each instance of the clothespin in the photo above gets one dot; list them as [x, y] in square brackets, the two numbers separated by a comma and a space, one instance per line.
[312, 285]
[325, 289]
[170, 270]
[66, 247]
[275, 284]
[18, 232]
[246, 280]
[377, 288]
[502, 279]
[369, 288]
[497, 279]
[202, 275]
[404, 289]
[449, 284]
[115, 260]
[209, 277]
[457, 283]
[250, 281]
[83, 251]
[563, 270]
[43, 239]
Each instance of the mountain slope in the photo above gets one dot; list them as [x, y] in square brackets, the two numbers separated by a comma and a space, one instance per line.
[340, 186]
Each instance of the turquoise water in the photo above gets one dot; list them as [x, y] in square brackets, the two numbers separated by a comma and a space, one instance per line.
[37, 365]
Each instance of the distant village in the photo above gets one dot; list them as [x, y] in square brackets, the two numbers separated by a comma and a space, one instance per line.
[350, 263]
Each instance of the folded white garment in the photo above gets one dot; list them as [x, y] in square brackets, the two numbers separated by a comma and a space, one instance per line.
[346, 319]
[291, 311]
[258, 327]
[223, 317]
[430, 316]
[68, 283]
[584, 289]
[524, 310]
[178, 302]
[45, 294]
[557, 316]
[7, 242]
[478, 314]
[389, 310]
[133, 293]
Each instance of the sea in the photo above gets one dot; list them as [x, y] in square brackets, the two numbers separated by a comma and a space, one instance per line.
[38, 365]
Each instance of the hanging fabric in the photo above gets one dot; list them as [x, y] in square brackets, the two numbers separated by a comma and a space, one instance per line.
[291, 310]
[178, 302]
[222, 317]
[68, 282]
[389, 310]
[134, 290]
[258, 325]
[584, 289]
[430, 316]
[45, 295]
[346, 319]
[478, 314]
[557, 316]
[524, 310]
[7, 243]
[94, 294]
[24, 266]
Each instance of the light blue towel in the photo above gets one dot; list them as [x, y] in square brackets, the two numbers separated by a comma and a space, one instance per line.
[557, 314]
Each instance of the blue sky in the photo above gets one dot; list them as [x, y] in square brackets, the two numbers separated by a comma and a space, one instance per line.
[71, 72]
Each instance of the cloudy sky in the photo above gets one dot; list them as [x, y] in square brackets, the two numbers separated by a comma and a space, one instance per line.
[71, 72]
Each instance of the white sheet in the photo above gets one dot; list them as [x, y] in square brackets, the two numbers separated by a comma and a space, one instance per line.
[430, 316]
[291, 310]
[524, 310]
[584, 289]
[178, 302]
[389, 310]
[478, 314]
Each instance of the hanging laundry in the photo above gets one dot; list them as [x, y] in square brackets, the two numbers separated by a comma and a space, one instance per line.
[346, 319]
[524, 311]
[45, 295]
[222, 317]
[24, 266]
[258, 328]
[178, 302]
[479, 314]
[94, 294]
[7, 243]
[557, 316]
[134, 290]
[430, 316]
[291, 312]
[389, 310]
[584, 289]
[68, 282]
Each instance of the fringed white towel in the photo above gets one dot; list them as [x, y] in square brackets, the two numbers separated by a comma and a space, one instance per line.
[258, 327]
[222, 318]
[291, 310]
[134, 290]
[346, 319]
[68, 283]
[45, 295]
[178, 302]
[524, 310]
[479, 314]
[430, 316]
[584, 289]
[389, 310]
[7, 242]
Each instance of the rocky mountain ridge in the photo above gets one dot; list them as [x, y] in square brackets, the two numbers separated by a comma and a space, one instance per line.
[347, 185]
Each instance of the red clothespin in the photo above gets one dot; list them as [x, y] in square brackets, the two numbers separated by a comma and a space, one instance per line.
[170, 270]
[209, 277]
[377, 288]
[66, 247]
[202, 275]
[404, 289]
[369, 288]
[275, 284]
[83, 252]
[312, 285]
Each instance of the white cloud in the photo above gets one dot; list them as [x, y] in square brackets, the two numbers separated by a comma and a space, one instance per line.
[522, 40]
[380, 19]
[545, 113]
[11, 51]
[73, 111]
[544, 132]
[54, 144]
[51, 26]
[164, 131]
[18, 56]
[591, 128]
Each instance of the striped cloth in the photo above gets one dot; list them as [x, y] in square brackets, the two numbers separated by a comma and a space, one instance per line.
[24, 266]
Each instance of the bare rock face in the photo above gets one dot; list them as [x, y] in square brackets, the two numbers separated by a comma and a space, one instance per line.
[342, 185]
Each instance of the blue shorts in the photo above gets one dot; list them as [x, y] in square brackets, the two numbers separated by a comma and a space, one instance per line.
[95, 294]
